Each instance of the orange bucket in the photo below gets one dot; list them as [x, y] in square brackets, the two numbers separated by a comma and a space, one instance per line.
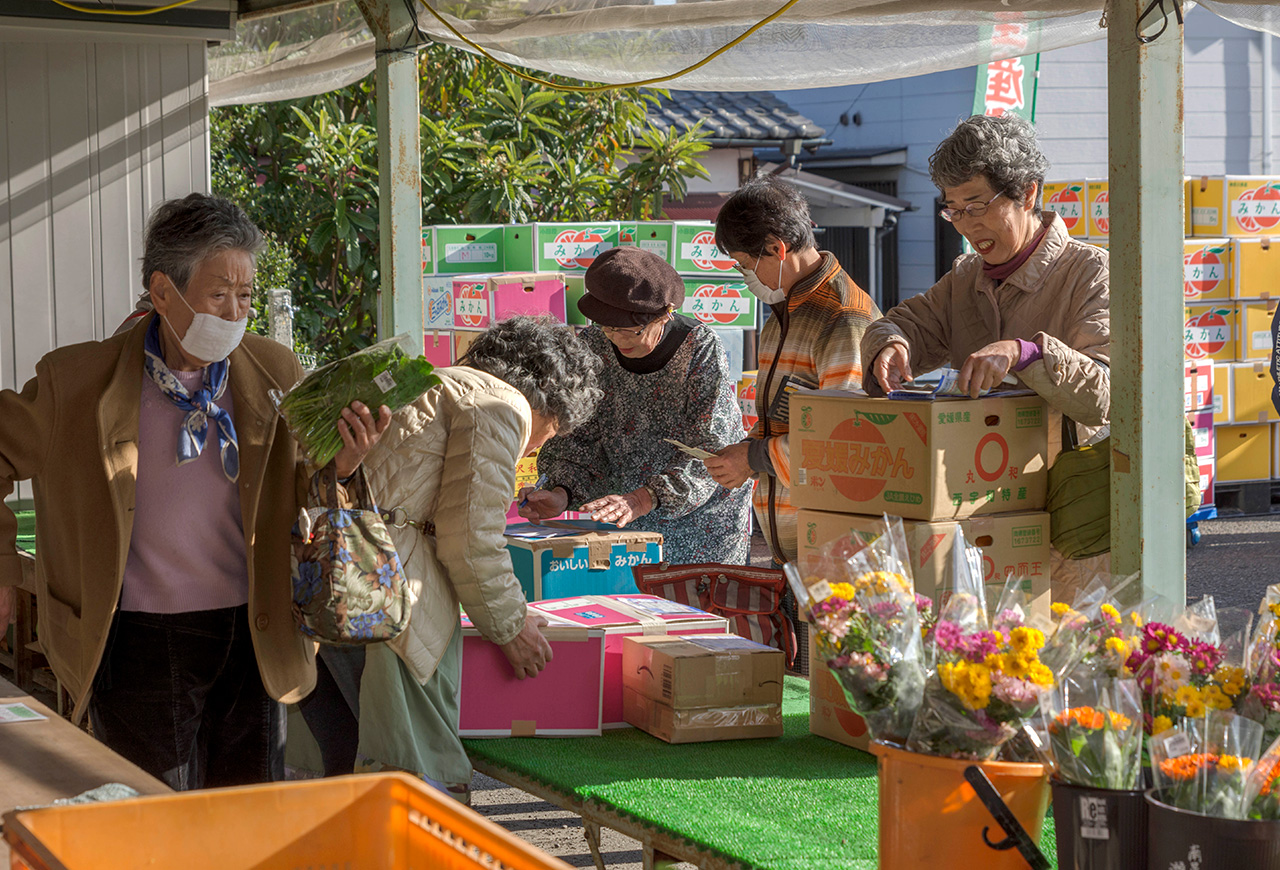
[931, 817]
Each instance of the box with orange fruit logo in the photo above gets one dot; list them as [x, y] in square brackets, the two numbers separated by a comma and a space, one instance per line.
[1206, 270]
[1067, 198]
[1235, 205]
[1210, 332]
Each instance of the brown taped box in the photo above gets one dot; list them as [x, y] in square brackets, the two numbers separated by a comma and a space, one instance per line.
[829, 713]
[918, 459]
[1013, 542]
[700, 688]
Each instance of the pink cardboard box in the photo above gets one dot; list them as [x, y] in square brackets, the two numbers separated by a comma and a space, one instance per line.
[1197, 390]
[1202, 428]
[531, 293]
[437, 349]
[627, 615]
[564, 700]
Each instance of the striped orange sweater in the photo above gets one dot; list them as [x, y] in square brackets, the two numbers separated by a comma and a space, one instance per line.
[812, 340]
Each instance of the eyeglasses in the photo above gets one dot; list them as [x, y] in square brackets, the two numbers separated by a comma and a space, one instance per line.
[631, 333]
[973, 210]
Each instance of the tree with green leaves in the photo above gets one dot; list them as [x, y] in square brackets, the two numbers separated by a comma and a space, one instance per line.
[495, 149]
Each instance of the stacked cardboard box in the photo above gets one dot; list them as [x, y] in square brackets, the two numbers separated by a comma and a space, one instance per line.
[976, 463]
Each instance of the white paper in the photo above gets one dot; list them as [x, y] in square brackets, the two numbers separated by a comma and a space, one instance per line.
[695, 452]
[18, 712]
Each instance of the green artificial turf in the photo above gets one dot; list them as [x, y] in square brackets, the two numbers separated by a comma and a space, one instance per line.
[798, 801]
[26, 530]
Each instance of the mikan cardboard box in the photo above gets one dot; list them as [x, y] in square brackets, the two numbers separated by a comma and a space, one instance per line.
[1254, 319]
[574, 289]
[1210, 332]
[830, 715]
[1099, 212]
[461, 249]
[1015, 543]
[918, 459]
[437, 348]
[746, 392]
[1235, 205]
[695, 251]
[1206, 451]
[1186, 205]
[719, 301]
[1206, 270]
[657, 237]
[1067, 198]
[1223, 393]
[462, 342]
[1251, 394]
[531, 293]
[437, 302]
[472, 302]
[1197, 386]
[1257, 268]
[557, 247]
[1244, 452]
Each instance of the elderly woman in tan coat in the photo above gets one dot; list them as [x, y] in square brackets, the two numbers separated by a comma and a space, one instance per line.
[1031, 301]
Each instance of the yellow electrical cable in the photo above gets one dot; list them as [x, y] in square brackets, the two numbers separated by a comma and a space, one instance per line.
[590, 89]
[99, 11]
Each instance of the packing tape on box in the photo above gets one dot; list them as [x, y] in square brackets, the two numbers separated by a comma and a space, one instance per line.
[1119, 461]
[569, 633]
[524, 728]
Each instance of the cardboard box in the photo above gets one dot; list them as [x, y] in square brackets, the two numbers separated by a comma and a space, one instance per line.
[1235, 205]
[1256, 268]
[1251, 394]
[579, 557]
[564, 701]
[920, 460]
[557, 247]
[623, 616]
[437, 348]
[462, 249]
[1015, 542]
[693, 689]
[1244, 452]
[1197, 386]
[1202, 429]
[1206, 270]
[1208, 475]
[1254, 319]
[533, 293]
[462, 342]
[1210, 332]
[437, 302]
[695, 251]
[1223, 393]
[472, 302]
[719, 301]
[747, 400]
[574, 289]
[1098, 209]
[830, 715]
[1186, 205]
[1067, 198]
[657, 237]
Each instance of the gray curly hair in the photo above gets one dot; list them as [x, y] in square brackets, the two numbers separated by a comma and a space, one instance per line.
[544, 360]
[182, 233]
[1001, 149]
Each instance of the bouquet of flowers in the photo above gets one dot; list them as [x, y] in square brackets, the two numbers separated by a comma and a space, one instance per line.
[1204, 765]
[1262, 786]
[1186, 675]
[988, 676]
[1093, 634]
[1262, 702]
[1094, 730]
[867, 623]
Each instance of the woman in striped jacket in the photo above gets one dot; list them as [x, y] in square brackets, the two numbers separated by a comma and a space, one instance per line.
[811, 340]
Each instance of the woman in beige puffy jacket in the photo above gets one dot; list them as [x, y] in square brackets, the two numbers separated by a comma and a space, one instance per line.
[447, 463]
[1032, 301]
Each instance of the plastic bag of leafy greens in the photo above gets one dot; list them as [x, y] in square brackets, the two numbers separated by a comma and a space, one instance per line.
[381, 374]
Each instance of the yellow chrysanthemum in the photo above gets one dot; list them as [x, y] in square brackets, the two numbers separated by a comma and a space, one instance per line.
[1117, 647]
[1026, 638]
[1040, 675]
[1160, 724]
[1233, 762]
[1186, 694]
[1110, 610]
[1196, 709]
[1059, 609]
[1135, 619]
[842, 590]
[969, 682]
[1275, 609]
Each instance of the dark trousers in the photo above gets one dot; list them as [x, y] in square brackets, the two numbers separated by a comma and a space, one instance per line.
[179, 695]
[332, 711]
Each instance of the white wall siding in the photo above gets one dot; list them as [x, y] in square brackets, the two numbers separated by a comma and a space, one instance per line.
[92, 137]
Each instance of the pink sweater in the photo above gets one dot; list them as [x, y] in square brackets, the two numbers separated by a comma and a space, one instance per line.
[187, 551]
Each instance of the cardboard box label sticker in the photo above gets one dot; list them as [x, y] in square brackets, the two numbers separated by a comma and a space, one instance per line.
[1256, 209]
[472, 303]
[471, 252]
[1207, 333]
[1029, 418]
[703, 252]
[1202, 271]
[576, 249]
[1028, 536]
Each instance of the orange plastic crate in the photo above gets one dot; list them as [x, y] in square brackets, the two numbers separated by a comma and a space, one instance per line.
[384, 821]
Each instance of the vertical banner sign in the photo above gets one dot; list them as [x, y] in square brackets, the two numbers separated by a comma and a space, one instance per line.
[1008, 86]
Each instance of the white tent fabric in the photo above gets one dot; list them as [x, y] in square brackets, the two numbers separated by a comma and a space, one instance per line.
[816, 43]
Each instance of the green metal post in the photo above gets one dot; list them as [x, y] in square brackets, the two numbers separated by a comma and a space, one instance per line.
[1148, 531]
[399, 168]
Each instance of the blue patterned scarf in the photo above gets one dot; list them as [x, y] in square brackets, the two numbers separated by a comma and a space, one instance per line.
[200, 408]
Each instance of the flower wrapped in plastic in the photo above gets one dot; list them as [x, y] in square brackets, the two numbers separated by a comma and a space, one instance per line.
[1094, 633]
[1262, 786]
[1262, 701]
[865, 616]
[1204, 765]
[988, 678]
[1093, 726]
[1187, 669]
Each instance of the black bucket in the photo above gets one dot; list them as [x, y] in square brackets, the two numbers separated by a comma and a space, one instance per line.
[1181, 838]
[1098, 828]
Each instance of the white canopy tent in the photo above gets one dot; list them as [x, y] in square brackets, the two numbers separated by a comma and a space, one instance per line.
[819, 43]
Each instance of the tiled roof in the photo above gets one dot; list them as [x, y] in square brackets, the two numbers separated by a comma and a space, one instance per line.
[737, 118]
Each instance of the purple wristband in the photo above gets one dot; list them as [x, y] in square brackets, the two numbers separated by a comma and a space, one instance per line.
[1028, 352]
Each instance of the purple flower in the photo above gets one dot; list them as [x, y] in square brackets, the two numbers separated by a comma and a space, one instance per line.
[976, 647]
[947, 635]
[1014, 692]
[924, 604]
[885, 610]
[1008, 620]
[1268, 694]
[1204, 657]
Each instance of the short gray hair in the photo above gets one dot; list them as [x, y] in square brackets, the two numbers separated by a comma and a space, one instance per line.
[545, 361]
[1002, 149]
[183, 233]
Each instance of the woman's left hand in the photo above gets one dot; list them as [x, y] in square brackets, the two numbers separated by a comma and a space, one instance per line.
[620, 509]
[985, 369]
[359, 433]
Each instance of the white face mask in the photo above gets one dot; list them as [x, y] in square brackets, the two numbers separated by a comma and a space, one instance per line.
[209, 338]
[760, 290]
